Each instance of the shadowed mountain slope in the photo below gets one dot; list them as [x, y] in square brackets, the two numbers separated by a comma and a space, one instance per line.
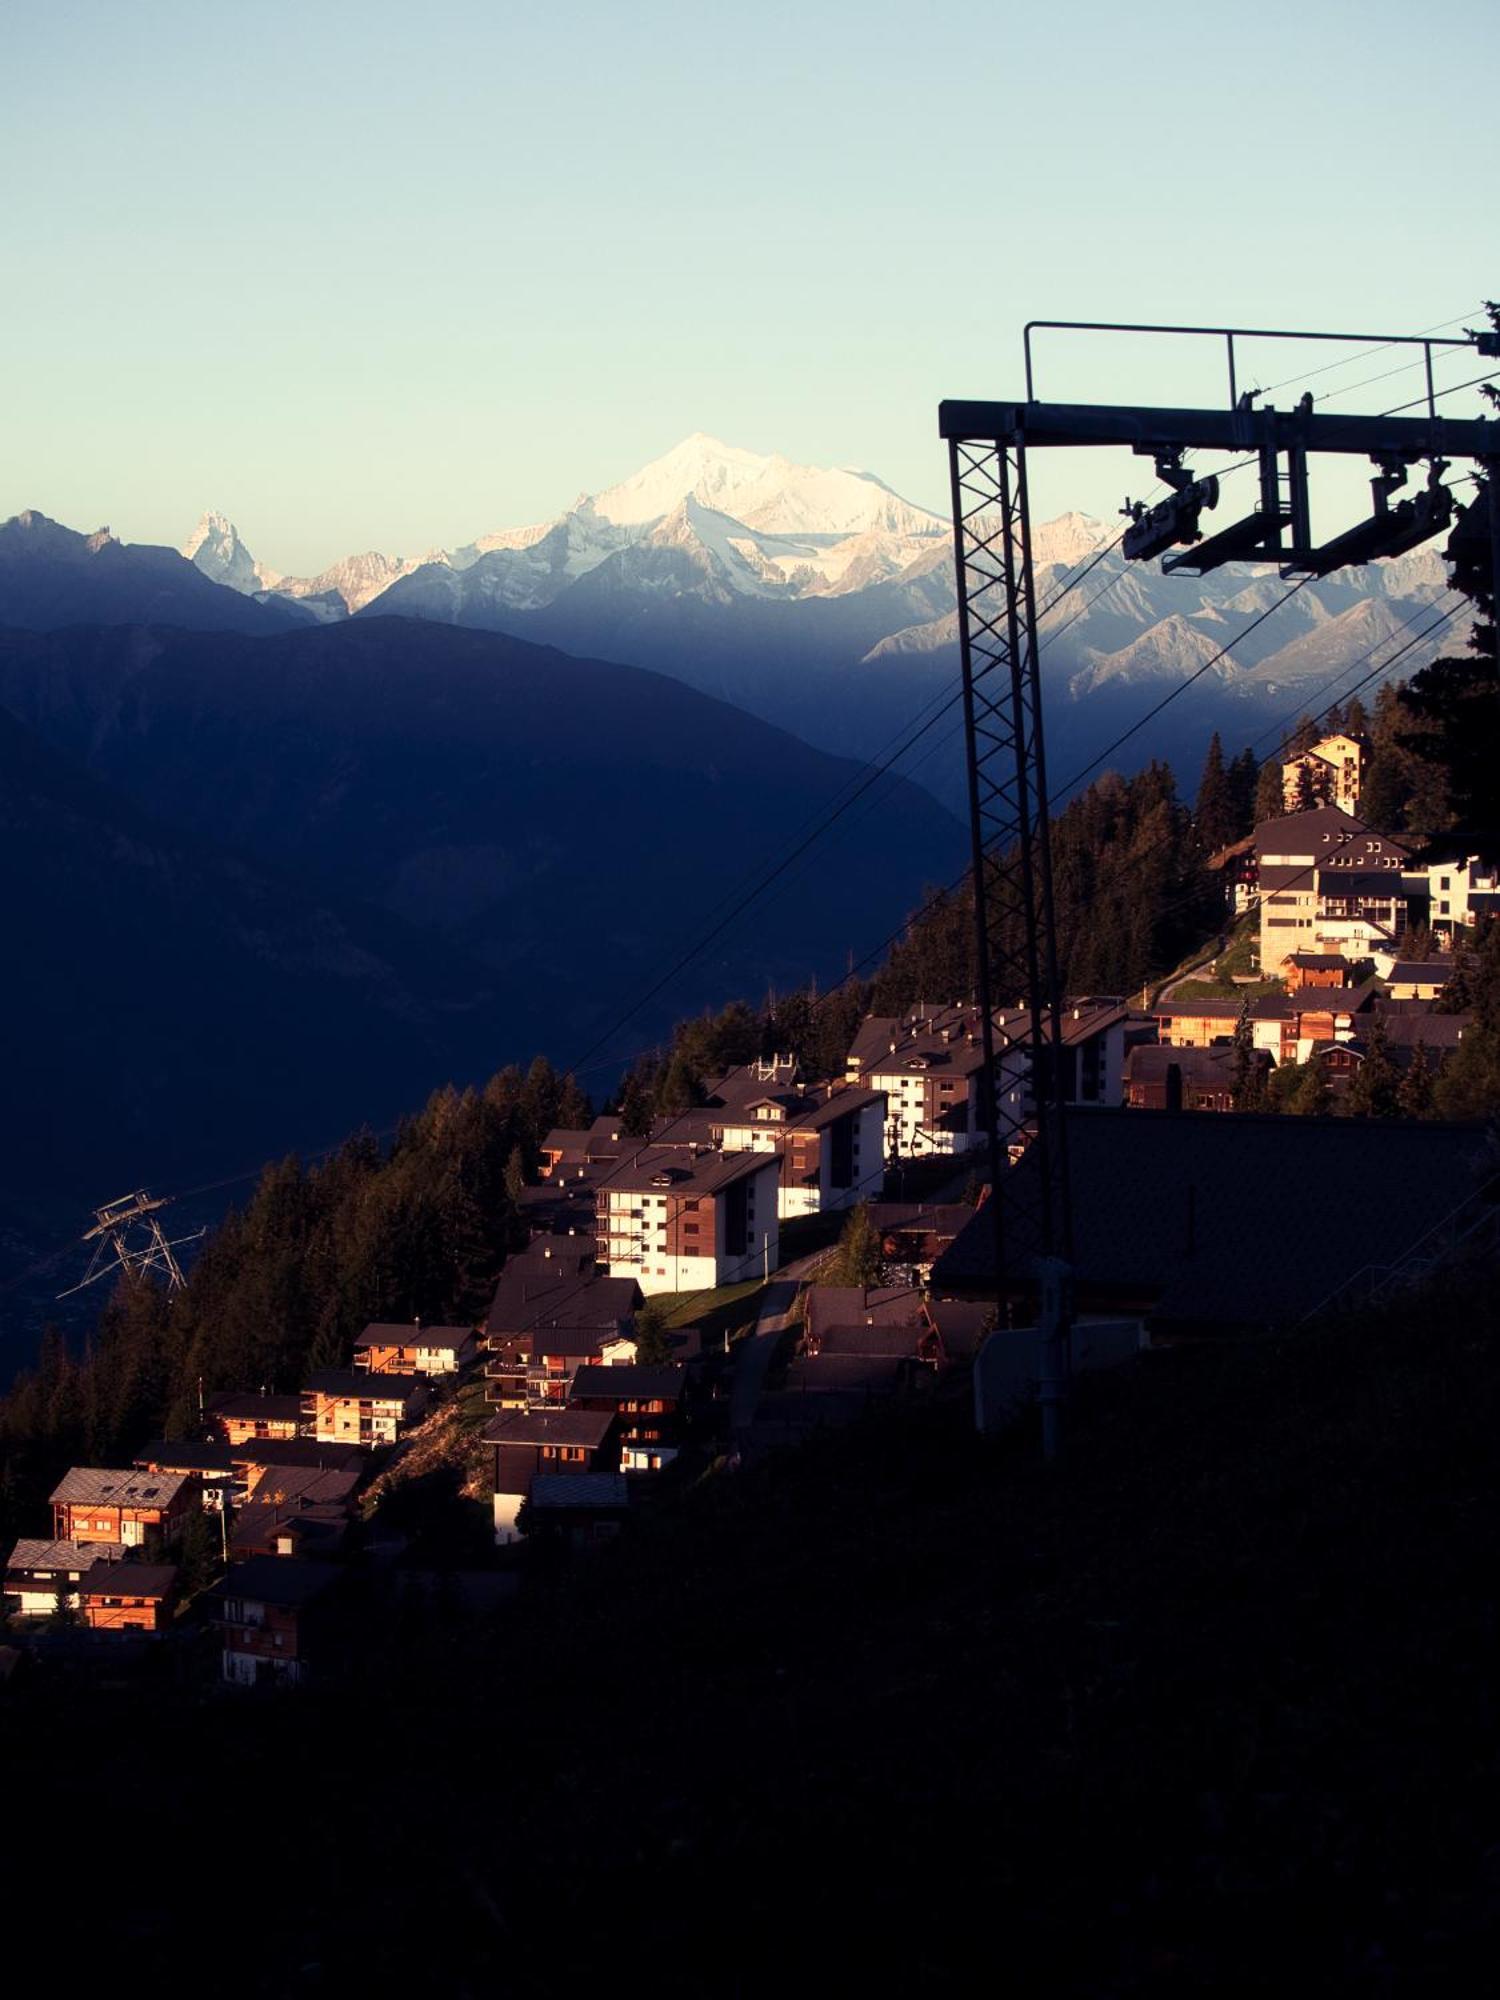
[51, 576]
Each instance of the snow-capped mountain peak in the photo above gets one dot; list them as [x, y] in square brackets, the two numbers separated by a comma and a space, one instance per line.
[764, 491]
[215, 547]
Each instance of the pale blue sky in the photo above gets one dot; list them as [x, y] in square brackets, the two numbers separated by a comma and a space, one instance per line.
[386, 276]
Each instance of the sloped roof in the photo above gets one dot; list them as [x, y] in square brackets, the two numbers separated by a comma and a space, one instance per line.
[636, 1382]
[129, 1579]
[1240, 1221]
[103, 1486]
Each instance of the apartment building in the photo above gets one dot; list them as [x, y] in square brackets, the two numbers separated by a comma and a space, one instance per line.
[679, 1218]
[1327, 882]
[1331, 771]
[829, 1138]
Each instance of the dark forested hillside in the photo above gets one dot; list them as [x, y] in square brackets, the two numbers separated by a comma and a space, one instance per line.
[413, 1229]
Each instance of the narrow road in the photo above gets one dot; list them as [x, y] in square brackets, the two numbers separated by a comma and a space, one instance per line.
[753, 1362]
[1170, 986]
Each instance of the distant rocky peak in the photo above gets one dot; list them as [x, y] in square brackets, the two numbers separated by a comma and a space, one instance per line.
[215, 548]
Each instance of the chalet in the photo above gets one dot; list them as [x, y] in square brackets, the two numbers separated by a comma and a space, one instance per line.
[212, 1465]
[858, 1342]
[1305, 969]
[128, 1596]
[1197, 1024]
[1185, 1079]
[351, 1406]
[100, 1504]
[296, 1510]
[827, 1137]
[1437, 1035]
[648, 1404]
[531, 1441]
[893, 1307]
[599, 1144]
[577, 1508]
[551, 1313]
[689, 1218]
[275, 1619]
[1329, 773]
[1419, 979]
[913, 1233]
[41, 1574]
[384, 1349]
[237, 1418]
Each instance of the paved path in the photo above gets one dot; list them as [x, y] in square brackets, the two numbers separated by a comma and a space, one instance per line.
[1170, 986]
[753, 1361]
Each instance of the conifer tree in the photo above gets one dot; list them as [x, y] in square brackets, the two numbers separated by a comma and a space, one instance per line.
[1214, 810]
[1374, 1091]
[1312, 1097]
[857, 1261]
[1270, 795]
[1247, 1082]
[1415, 1094]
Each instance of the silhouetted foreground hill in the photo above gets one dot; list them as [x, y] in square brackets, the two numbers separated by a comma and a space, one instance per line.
[52, 576]
[1209, 1708]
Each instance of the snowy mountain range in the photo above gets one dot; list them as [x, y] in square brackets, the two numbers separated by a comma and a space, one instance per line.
[820, 599]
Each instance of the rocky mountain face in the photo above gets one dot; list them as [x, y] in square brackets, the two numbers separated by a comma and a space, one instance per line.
[823, 601]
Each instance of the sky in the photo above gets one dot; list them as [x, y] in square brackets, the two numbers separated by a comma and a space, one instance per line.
[381, 276]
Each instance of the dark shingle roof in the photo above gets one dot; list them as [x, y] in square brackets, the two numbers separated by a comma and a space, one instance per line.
[1241, 1221]
[636, 1383]
[128, 1579]
[561, 1427]
[279, 1579]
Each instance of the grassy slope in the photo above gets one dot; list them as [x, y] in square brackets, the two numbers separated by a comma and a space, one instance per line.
[1209, 1708]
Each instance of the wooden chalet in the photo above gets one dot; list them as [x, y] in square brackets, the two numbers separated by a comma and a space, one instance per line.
[102, 1504]
[386, 1349]
[552, 1313]
[649, 1404]
[577, 1508]
[530, 1441]
[40, 1575]
[128, 1596]
[238, 1418]
[276, 1620]
[352, 1406]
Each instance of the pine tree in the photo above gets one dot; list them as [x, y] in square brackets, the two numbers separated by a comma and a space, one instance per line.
[1415, 1094]
[1312, 1097]
[857, 1261]
[1247, 1081]
[1270, 795]
[1214, 810]
[1374, 1091]
[1244, 780]
[653, 1345]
